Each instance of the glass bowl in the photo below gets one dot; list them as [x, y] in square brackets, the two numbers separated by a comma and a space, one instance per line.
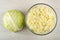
[55, 18]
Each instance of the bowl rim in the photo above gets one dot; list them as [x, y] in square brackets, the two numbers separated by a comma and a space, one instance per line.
[55, 16]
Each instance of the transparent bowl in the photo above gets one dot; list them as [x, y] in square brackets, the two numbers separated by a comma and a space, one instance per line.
[55, 15]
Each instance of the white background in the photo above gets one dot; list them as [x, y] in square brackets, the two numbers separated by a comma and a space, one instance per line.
[25, 34]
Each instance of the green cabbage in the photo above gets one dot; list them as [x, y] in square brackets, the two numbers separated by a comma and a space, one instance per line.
[13, 20]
